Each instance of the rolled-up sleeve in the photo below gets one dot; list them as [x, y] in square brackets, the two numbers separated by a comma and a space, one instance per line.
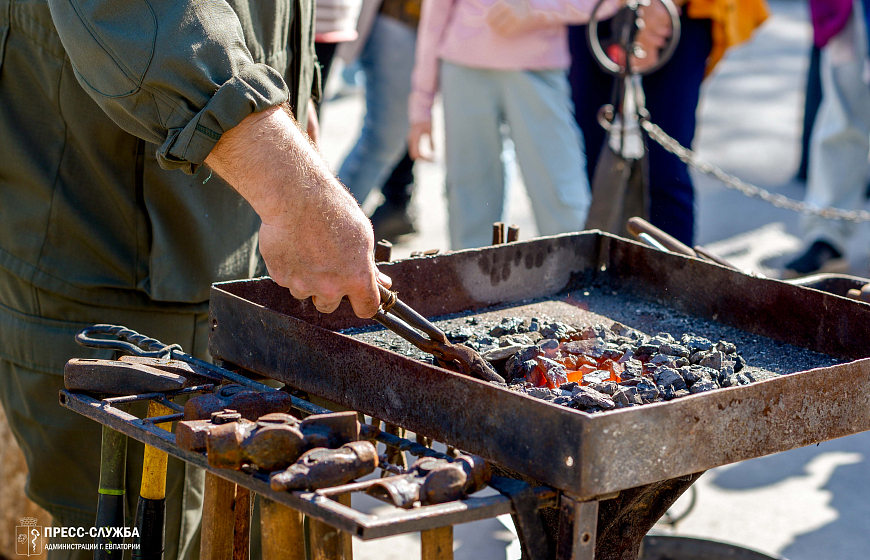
[173, 72]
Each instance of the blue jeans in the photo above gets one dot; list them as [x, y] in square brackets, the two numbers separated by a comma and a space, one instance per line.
[387, 61]
[672, 98]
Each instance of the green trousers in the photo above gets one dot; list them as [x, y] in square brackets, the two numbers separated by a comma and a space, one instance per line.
[62, 448]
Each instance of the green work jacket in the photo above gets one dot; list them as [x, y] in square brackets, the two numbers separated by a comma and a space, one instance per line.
[107, 110]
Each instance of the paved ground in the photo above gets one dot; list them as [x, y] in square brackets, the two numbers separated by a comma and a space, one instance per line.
[807, 504]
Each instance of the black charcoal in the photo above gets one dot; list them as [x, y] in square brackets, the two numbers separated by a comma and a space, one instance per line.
[693, 374]
[696, 343]
[508, 325]
[669, 378]
[586, 398]
[594, 347]
[606, 387]
[460, 334]
[647, 391]
[541, 393]
[713, 360]
[627, 396]
[677, 350]
[557, 330]
[499, 354]
[514, 339]
[703, 385]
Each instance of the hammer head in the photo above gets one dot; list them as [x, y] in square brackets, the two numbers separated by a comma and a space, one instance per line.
[111, 377]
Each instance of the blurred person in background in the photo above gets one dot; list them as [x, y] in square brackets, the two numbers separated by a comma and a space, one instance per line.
[501, 62]
[335, 23]
[840, 142]
[385, 53]
[708, 29]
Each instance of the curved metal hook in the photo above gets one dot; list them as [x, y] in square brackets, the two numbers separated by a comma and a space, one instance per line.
[124, 340]
[612, 67]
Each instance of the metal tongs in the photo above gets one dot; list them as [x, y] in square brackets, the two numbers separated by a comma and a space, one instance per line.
[452, 356]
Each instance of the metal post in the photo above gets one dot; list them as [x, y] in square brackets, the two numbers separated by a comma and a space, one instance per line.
[498, 233]
[578, 522]
[383, 251]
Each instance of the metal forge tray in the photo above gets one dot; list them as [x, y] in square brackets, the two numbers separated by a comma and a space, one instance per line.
[817, 340]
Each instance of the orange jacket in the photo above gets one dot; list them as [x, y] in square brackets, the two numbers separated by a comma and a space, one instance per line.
[733, 22]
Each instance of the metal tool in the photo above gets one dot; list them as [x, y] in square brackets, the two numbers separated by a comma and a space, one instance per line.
[151, 509]
[324, 468]
[620, 184]
[275, 441]
[433, 481]
[249, 404]
[111, 377]
[454, 356]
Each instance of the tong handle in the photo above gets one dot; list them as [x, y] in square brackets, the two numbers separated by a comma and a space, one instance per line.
[390, 303]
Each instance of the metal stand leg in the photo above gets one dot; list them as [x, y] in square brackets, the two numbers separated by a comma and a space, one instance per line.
[283, 535]
[577, 529]
[437, 544]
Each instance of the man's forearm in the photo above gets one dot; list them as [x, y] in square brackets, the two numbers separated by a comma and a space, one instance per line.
[270, 162]
[315, 239]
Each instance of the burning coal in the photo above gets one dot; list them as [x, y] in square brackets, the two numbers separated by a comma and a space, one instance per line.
[600, 368]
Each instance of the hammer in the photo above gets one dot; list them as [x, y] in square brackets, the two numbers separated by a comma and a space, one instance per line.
[126, 377]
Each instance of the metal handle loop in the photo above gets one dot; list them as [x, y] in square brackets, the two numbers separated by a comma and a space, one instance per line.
[125, 340]
[615, 69]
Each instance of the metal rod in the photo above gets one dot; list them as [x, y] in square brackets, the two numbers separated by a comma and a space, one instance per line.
[150, 396]
[578, 523]
[498, 233]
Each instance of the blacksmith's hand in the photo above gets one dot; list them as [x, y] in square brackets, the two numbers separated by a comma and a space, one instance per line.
[315, 239]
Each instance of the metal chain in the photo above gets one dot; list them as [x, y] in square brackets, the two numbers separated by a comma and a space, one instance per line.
[733, 183]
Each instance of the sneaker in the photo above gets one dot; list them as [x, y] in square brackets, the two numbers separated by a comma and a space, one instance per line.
[820, 257]
[391, 221]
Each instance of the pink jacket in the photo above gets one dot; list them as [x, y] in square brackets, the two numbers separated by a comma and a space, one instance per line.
[457, 31]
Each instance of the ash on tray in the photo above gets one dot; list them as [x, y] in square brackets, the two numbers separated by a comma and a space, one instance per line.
[575, 350]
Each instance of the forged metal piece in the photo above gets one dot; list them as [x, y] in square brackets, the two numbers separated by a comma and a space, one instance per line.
[112, 377]
[433, 481]
[250, 404]
[277, 440]
[323, 468]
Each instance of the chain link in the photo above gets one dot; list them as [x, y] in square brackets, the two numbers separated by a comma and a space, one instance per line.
[733, 183]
